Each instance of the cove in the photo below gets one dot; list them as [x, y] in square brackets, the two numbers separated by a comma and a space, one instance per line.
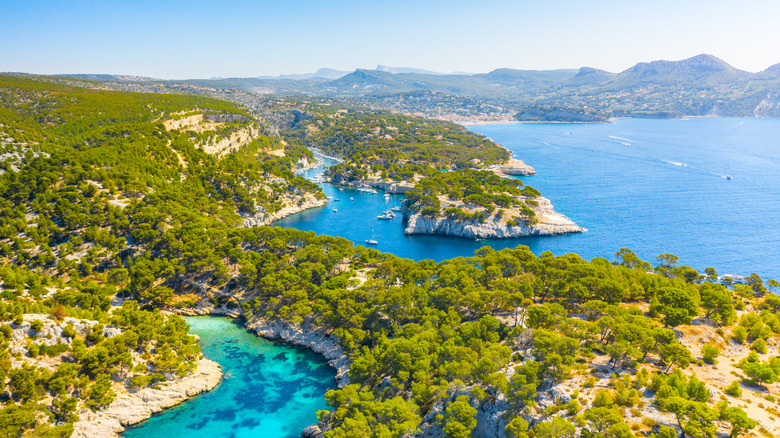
[654, 186]
[269, 389]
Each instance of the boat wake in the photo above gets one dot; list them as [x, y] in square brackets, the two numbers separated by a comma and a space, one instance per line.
[623, 141]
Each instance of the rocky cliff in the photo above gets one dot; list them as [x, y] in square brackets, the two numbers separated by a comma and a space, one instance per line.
[307, 336]
[133, 407]
[548, 223]
[387, 186]
[291, 206]
[515, 167]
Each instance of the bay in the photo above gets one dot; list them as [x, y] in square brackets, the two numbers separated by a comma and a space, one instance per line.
[654, 186]
[269, 389]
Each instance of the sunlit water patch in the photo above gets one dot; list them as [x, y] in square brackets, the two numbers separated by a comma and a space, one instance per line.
[269, 389]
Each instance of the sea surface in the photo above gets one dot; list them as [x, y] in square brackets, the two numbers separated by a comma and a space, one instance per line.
[269, 389]
[654, 186]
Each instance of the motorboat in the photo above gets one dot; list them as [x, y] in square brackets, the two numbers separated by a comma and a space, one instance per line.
[371, 242]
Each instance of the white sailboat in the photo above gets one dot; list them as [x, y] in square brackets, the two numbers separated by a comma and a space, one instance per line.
[372, 240]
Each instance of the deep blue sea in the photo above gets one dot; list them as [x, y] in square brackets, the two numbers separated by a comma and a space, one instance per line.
[269, 389]
[654, 186]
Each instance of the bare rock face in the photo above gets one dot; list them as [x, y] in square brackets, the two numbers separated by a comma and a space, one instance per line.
[386, 186]
[516, 167]
[291, 207]
[549, 223]
[769, 106]
[134, 407]
[306, 336]
[312, 431]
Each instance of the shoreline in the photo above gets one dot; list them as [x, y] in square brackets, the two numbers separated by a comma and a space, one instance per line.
[131, 408]
[305, 336]
[545, 122]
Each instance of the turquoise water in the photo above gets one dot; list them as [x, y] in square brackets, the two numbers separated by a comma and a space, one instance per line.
[269, 389]
[623, 181]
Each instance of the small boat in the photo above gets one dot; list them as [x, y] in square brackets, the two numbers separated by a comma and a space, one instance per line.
[387, 195]
[371, 242]
[367, 190]
[396, 209]
[384, 217]
[335, 210]
[351, 199]
[727, 177]
[336, 200]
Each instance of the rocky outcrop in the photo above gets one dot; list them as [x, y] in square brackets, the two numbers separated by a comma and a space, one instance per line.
[261, 218]
[386, 186]
[515, 167]
[549, 223]
[308, 336]
[491, 416]
[312, 431]
[133, 407]
[769, 106]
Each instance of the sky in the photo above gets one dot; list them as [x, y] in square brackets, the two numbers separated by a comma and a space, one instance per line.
[202, 39]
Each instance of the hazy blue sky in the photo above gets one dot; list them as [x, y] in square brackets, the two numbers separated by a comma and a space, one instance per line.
[198, 38]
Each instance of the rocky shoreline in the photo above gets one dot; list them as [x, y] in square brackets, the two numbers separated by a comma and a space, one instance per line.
[386, 186]
[261, 218]
[306, 335]
[514, 167]
[549, 223]
[133, 407]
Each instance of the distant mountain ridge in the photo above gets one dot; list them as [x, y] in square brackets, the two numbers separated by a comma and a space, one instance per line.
[323, 73]
[700, 85]
[701, 70]
[399, 70]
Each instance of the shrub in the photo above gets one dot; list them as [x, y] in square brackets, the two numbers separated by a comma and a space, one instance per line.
[36, 325]
[759, 345]
[572, 407]
[739, 335]
[59, 313]
[69, 331]
[603, 399]
[710, 353]
[734, 390]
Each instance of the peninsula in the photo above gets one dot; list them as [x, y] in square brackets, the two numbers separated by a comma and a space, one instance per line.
[456, 182]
